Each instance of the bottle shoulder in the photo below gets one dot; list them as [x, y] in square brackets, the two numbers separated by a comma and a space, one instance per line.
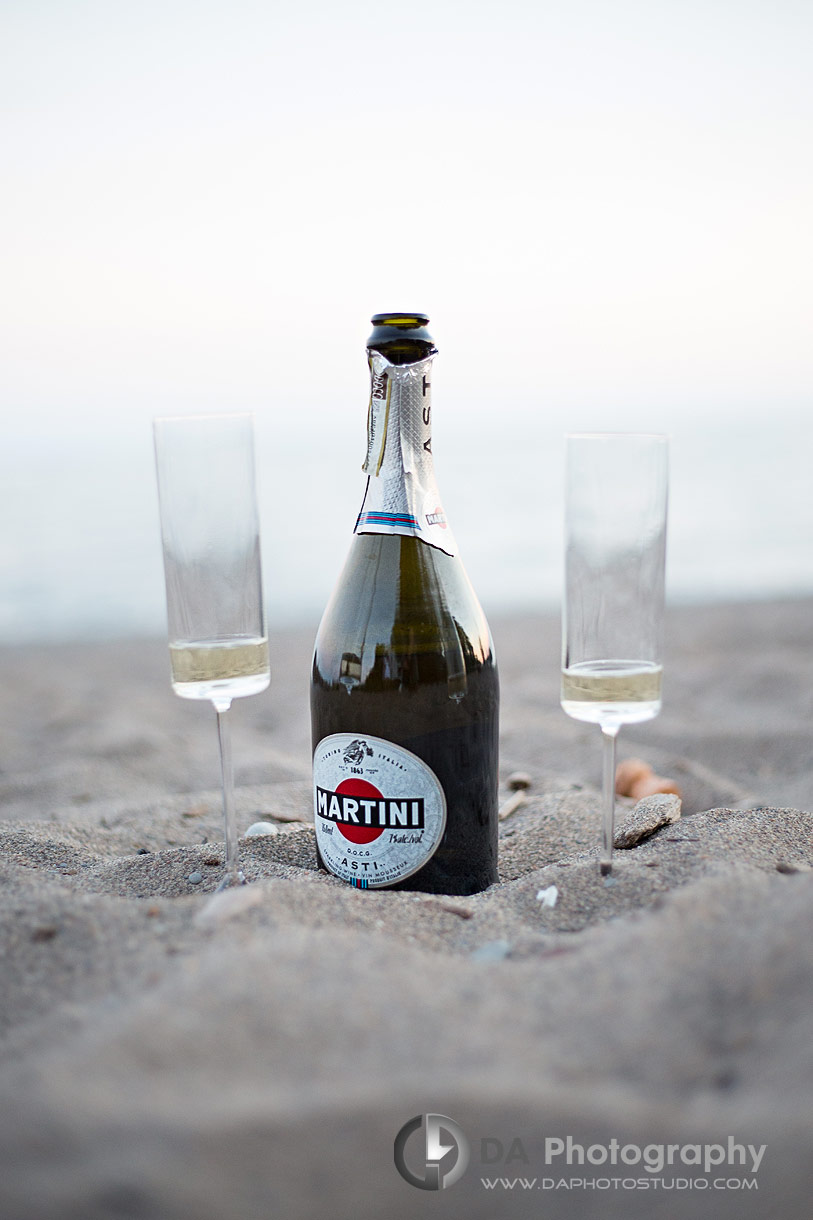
[398, 597]
[405, 581]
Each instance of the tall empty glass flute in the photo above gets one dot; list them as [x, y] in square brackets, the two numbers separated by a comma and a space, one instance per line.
[616, 489]
[218, 645]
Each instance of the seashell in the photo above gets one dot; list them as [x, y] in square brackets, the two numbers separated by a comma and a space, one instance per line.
[651, 785]
[630, 771]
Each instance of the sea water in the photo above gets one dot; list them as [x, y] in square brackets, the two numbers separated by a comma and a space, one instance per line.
[80, 551]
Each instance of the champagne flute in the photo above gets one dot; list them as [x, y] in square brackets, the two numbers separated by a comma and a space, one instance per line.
[616, 490]
[218, 645]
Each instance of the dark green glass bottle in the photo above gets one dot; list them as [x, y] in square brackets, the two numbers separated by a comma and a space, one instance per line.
[404, 690]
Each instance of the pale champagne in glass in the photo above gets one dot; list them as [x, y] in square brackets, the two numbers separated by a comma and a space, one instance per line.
[616, 491]
[218, 647]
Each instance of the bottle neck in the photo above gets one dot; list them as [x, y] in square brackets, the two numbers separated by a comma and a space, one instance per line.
[402, 495]
[399, 418]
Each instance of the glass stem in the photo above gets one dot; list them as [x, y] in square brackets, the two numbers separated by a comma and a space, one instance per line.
[232, 875]
[609, 733]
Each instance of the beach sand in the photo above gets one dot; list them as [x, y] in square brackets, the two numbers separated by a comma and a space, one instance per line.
[166, 1053]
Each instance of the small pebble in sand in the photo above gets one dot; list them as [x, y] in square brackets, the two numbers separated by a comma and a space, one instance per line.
[195, 878]
[549, 896]
[261, 828]
[785, 866]
[649, 815]
[44, 932]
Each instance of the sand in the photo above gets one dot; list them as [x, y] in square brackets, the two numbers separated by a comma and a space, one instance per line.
[165, 1052]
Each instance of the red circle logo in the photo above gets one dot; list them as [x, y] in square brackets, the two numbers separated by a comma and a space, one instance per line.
[352, 832]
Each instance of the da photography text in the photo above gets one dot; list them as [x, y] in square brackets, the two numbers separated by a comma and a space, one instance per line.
[432, 1152]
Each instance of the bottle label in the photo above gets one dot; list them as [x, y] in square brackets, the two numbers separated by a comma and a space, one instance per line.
[402, 495]
[380, 812]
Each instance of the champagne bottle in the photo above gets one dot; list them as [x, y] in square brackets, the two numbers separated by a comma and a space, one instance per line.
[404, 690]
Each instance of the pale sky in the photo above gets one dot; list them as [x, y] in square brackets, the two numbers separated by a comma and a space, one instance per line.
[204, 202]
